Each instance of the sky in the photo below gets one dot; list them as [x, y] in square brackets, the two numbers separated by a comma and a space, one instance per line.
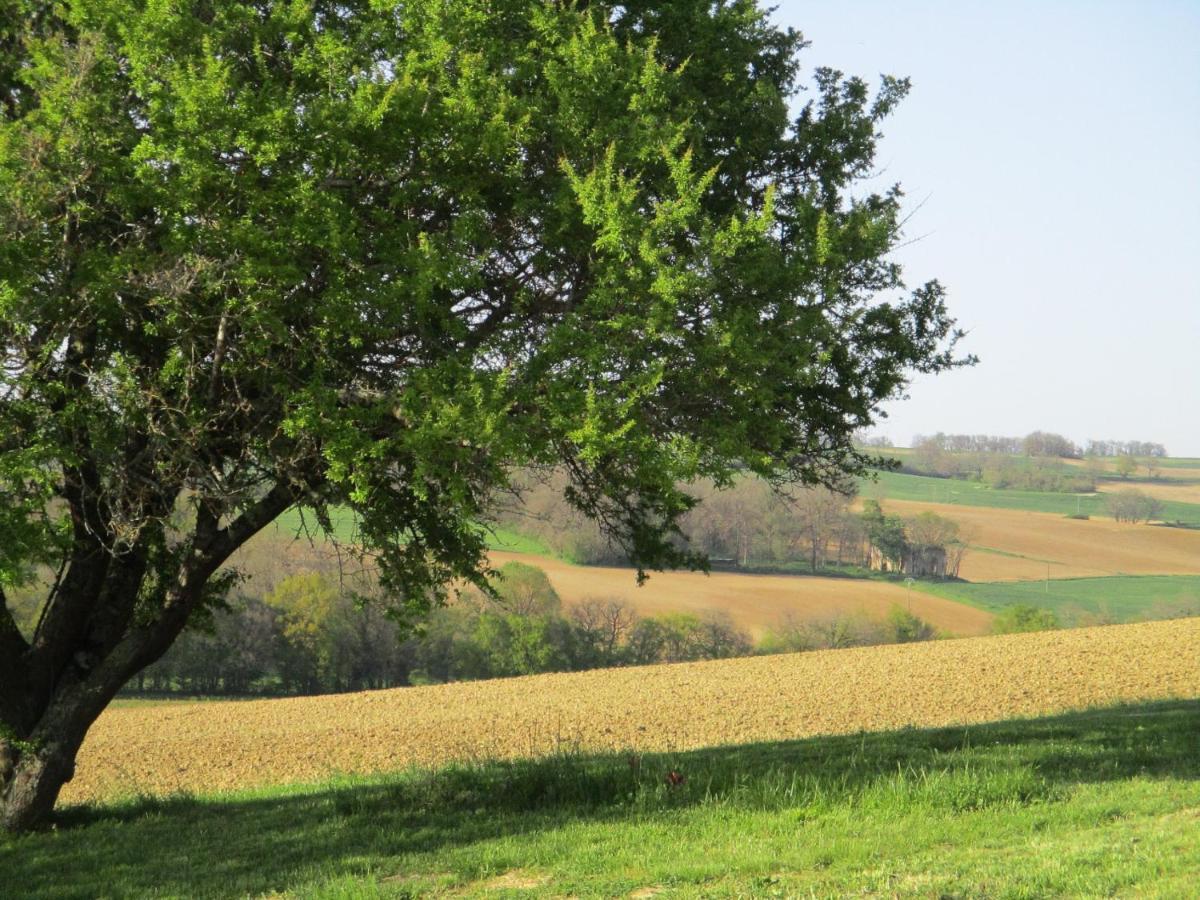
[1050, 156]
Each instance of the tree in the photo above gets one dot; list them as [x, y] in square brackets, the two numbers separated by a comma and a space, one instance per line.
[257, 256]
[1125, 465]
[819, 512]
[604, 627]
[1022, 617]
[1134, 506]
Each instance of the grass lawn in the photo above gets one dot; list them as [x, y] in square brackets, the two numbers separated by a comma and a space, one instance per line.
[1115, 598]
[895, 486]
[1096, 803]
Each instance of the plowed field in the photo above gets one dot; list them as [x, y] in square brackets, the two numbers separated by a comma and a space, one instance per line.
[210, 746]
[1072, 548]
[754, 602]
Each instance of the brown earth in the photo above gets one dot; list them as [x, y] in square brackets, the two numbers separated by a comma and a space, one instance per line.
[1181, 491]
[754, 602]
[1070, 547]
[216, 746]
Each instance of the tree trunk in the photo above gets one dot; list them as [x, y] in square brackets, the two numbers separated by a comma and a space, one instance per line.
[33, 770]
[28, 796]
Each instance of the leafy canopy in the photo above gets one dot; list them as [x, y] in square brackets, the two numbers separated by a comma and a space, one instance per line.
[379, 254]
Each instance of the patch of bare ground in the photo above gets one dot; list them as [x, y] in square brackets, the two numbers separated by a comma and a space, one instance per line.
[207, 746]
[1044, 543]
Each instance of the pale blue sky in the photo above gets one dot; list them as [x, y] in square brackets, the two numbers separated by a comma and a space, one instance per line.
[1054, 150]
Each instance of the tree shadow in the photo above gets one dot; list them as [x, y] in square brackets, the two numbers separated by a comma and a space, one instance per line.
[185, 846]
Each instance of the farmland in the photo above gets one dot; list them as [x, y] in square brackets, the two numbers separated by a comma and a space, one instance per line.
[954, 492]
[1074, 600]
[1025, 543]
[1101, 803]
[205, 746]
[754, 602]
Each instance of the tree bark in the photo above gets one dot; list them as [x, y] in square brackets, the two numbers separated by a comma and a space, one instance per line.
[87, 663]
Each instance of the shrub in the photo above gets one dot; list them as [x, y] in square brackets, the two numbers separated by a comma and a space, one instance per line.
[1023, 617]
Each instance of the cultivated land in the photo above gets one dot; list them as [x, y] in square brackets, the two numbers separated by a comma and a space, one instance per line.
[754, 602]
[1023, 543]
[1097, 804]
[214, 746]
[892, 486]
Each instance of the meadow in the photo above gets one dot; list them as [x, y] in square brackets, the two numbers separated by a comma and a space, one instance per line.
[955, 492]
[1080, 600]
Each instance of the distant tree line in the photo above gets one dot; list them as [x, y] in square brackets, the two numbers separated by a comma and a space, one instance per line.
[1125, 448]
[1032, 463]
[313, 635]
[749, 525]
[1037, 443]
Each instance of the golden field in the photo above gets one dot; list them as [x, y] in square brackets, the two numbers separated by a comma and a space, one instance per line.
[1072, 548]
[753, 602]
[214, 746]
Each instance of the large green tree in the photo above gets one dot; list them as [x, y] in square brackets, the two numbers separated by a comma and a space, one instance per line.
[264, 254]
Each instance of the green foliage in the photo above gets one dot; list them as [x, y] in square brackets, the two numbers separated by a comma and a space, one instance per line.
[525, 589]
[903, 627]
[373, 255]
[1021, 617]
[884, 532]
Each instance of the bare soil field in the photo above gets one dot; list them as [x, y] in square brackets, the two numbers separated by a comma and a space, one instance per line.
[214, 746]
[754, 602]
[1072, 548]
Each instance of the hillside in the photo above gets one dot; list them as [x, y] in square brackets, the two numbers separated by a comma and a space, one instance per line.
[209, 746]
[1018, 545]
[754, 602]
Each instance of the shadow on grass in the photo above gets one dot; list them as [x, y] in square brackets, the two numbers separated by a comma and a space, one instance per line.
[259, 843]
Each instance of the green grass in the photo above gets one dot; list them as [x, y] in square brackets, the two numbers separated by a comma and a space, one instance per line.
[1113, 598]
[1093, 804]
[896, 486]
[1179, 462]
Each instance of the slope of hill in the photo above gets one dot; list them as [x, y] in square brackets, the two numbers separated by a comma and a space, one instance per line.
[954, 492]
[754, 602]
[208, 746]
[1024, 543]
[1112, 599]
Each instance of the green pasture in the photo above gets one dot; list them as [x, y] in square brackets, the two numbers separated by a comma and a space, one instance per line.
[895, 486]
[1076, 600]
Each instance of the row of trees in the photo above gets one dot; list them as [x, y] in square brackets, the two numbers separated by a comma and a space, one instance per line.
[1036, 443]
[312, 635]
[750, 525]
[1000, 470]
[1125, 448]
[942, 456]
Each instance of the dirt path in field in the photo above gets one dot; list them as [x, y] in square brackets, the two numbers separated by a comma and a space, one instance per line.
[213, 746]
[754, 602]
[1071, 548]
